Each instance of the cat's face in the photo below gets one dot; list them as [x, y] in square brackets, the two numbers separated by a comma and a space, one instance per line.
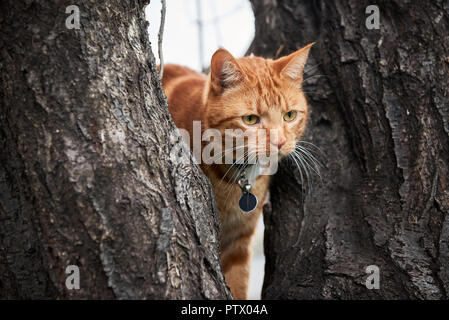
[255, 94]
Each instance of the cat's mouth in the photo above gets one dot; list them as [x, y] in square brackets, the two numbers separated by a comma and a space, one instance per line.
[244, 166]
[251, 171]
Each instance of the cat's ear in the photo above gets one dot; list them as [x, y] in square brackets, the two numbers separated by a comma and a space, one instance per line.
[224, 71]
[292, 66]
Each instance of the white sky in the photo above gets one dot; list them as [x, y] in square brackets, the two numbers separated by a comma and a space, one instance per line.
[233, 30]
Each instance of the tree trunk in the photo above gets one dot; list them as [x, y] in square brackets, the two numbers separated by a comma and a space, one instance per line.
[380, 114]
[91, 173]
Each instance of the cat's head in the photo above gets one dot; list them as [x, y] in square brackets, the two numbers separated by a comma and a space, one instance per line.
[254, 94]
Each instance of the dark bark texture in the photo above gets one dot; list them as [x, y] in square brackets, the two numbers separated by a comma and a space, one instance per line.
[379, 104]
[90, 170]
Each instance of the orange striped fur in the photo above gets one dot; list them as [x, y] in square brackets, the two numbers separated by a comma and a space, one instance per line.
[233, 89]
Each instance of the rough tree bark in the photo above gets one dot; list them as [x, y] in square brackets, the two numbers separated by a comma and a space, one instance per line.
[380, 114]
[89, 173]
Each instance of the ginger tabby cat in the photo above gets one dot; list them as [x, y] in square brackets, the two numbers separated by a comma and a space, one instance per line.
[249, 93]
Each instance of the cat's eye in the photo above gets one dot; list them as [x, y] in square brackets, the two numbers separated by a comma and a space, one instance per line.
[290, 116]
[251, 119]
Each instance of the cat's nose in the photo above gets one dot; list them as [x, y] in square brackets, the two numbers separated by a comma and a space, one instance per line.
[279, 144]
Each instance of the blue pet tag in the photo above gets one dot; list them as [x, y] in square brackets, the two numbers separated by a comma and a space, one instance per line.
[248, 202]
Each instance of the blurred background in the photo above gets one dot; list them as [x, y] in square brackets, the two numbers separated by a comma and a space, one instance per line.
[194, 29]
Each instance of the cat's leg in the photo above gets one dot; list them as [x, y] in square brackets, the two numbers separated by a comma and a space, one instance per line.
[236, 240]
[236, 259]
